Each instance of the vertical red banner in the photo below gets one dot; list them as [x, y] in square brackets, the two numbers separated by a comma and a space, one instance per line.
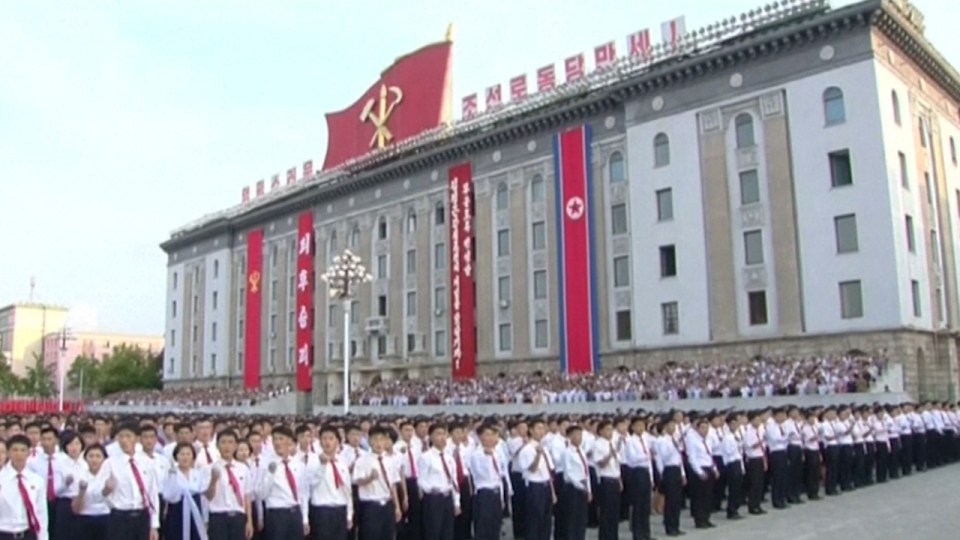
[305, 286]
[463, 351]
[251, 339]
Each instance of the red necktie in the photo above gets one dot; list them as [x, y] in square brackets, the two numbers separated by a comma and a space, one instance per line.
[256, 461]
[413, 467]
[446, 470]
[586, 470]
[337, 479]
[459, 462]
[643, 444]
[234, 484]
[291, 481]
[51, 495]
[140, 485]
[32, 520]
[206, 452]
[496, 468]
[383, 471]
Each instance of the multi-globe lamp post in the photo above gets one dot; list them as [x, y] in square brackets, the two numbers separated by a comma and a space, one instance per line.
[343, 277]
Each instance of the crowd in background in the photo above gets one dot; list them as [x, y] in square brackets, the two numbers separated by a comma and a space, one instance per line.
[193, 398]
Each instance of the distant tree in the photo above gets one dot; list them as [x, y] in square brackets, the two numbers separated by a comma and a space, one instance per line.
[128, 368]
[86, 369]
[38, 380]
[9, 382]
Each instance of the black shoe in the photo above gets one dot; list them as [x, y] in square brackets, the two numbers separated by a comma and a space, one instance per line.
[795, 501]
[813, 498]
[734, 517]
[676, 533]
[757, 512]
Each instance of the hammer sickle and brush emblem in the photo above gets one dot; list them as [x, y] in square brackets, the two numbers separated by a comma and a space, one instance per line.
[390, 97]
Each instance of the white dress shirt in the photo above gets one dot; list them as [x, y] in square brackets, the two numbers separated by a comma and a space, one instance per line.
[752, 443]
[844, 431]
[94, 503]
[730, 448]
[528, 454]
[127, 495]
[809, 437]
[71, 470]
[489, 471]
[637, 451]
[13, 511]
[225, 499]
[602, 449]
[699, 455]
[793, 432]
[350, 455]
[666, 453]
[438, 474]
[275, 491]
[323, 485]
[776, 436]
[576, 467]
[379, 489]
[42, 463]
[207, 454]
[514, 446]
[408, 455]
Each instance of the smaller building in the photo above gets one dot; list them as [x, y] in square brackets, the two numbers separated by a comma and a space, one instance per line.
[22, 330]
[98, 345]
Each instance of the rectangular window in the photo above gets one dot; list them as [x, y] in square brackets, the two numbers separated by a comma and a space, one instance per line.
[273, 290]
[273, 324]
[176, 280]
[290, 360]
[273, 255]
[935, 247]
[929, 187]
[753, 247]
[503, 289]
[213, 363]
[505, 338]
[915, 292]
[540, 340]
[503, 243]
[670, 313]
[354, 312]
[382, 271]
[239, 362]
[846, 233]
[290, 322]
[332, 315]
[273, 359]
[243, 296]
[240, 329]
[411, 304]
[381, 346]
[621, 271]
[624, 325]
[440, 343]
[668, 261]
[382, 305]
[440, 256]
[173, 338]
[540, 284]
[757, 301]
[665, 204]
[411, 343]
[215, 300]
[618, 219]
[904, 174]
[440, 298]
[539, 232]
[411, 261]
[353, 348]
[841, 173]
[749, 187]
[911, 241]
[851, 300]
[174, 308]
[213, 331]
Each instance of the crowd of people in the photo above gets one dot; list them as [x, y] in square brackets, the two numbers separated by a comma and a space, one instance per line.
[446, 477]
[761, 376]
[192, 398]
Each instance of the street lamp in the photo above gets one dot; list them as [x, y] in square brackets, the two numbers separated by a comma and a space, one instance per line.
[343, 277]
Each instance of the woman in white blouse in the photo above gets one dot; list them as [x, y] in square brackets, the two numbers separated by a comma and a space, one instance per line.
[181, 491]
[89, 505]
[71, 466]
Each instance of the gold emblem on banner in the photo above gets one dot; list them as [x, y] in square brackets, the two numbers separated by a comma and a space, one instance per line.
[254, 282]
[390, 97]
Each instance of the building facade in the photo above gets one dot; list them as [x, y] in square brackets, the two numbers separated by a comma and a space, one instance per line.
[793, 189]
[96, 345]
[22, 329]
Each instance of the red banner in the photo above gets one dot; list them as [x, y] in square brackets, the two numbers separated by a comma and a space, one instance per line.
[463, 350]
[410, 98]
[251, 337]
[305, 287]
[579, 345]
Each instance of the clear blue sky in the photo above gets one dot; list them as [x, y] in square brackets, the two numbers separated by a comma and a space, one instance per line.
[120, 121]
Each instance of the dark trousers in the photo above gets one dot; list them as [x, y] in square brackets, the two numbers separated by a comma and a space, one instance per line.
[537, 510]
[733, 472]
[62, 520]
[846, 467]
[463, 524]
[779, 478]
[437, 516]
[624, 500]
[574, 512]
[701, 496]
[671, 485]
[256, 508]
[29, 535]
[412, 526]
[518, 504]
[933, 449]
[129, 525]
[870, 462]
[795, 464]
[893, 459]
[754, 480]
[327, 523]
[354, 531]
[227, 526]
[859, 465]
[559, 520]
[487, 514]
[811, 473]
[906, 454]
[638, 490]
[832, 454]
[720, 484]
[376, 521]
[91, 527]
[920, 451]
[282, 523]
[608, 508]
[592, 514]
[882, 462]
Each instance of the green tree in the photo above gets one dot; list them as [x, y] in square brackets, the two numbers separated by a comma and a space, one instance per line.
[9, 382]
[128, 368]
[38, 381]
[83, 368]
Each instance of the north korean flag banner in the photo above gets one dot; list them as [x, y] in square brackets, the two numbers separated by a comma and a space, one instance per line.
[579, 345]
[254, 286]
[463, 351]
[304, 316]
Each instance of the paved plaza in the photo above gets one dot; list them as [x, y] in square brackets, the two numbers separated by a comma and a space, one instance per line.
[924, 506]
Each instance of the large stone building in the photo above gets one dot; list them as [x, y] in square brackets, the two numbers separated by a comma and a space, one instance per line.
[22, 329]
[789, 188]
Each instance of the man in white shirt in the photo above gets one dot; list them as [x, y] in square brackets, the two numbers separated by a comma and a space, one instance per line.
[438, 484]
[132, 492]
[207, 453]
[576, 491]
[331, 498]
[229, 493]
[610, 483]
[537, 467]
[669, 462]
[408, 448]
[184, 435]
[700, 460]
[490, 475]
[732, 454]
[44, 465]
[756, 462]
[380, 509]
[284, 489]
[638, 485]
[776, 439]
[22, 517]
[459, 449]
[519, 432]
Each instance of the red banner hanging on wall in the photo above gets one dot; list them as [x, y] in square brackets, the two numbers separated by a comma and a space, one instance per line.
[463, 352]
[304, 317]
[254, 286]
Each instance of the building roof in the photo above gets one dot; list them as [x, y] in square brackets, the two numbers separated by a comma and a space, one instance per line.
[761, 32]
[33, 305]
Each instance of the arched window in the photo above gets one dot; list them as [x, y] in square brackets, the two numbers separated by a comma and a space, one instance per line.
[895, 103]
[355, 236]
[503, 198]
[537, 189]
[332, 243]
[661, 150]
[411, 221]
[617, 172]
[744, 129]
[833, 109]
[382, 228]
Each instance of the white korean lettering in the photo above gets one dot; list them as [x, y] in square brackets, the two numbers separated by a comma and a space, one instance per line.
[303, 355]
[303, 280]
[303, 319]
[305, 244]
